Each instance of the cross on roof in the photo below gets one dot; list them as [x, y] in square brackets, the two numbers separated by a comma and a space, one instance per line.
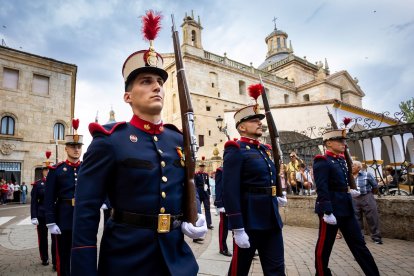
[274, 20]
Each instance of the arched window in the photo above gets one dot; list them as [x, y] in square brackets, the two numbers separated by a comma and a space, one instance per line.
[278, 42]
[242, 87]
[7, 125]
[174, 100]
[286, 97]
[59, 131]
[193, 37]
[306, 98]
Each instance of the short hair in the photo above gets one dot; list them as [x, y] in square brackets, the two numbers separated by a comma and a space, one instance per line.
[357, 163]
[302, 165]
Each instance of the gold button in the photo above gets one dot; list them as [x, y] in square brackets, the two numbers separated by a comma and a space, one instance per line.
[160, 151]
[162, 210]
[164, 195]
[162, 164]
[271, 173]
[155, 138]
[164, 179]
[247, 147]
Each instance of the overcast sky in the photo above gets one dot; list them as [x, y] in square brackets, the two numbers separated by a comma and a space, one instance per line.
[372, 39]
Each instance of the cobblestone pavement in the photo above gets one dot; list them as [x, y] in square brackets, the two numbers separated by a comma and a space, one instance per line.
[19, 254]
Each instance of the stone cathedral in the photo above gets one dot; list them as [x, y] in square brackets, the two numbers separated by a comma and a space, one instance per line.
[299, 91]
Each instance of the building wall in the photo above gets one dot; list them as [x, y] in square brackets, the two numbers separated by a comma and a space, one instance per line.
[35, 115]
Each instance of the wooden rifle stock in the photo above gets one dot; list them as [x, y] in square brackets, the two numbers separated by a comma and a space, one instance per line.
[190, 142]
[348, 157]
[274, 138]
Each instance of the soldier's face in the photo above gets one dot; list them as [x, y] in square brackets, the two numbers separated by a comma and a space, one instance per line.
[45, 172]
[252, 127]
[73, 151]
[336, 146]
[146, 95]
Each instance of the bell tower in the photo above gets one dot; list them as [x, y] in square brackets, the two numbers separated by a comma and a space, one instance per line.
[192, 35]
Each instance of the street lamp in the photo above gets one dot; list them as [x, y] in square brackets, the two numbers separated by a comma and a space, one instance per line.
[219, 121]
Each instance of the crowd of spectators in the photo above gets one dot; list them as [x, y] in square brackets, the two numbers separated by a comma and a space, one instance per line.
[12, 192]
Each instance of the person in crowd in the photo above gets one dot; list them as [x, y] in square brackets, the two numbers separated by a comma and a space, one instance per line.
[60, 199]
[212, 182]
[24, 193]
[291, 169]
[365, 203]
[334, 206]
[10, 192]
[139, 165]
[304, 179]
[249, 197]
[4, 191]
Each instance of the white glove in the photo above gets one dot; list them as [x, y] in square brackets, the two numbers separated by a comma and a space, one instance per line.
[104, 207]
[354, 193]
[195, 232]
[35, 221]
[53, 229]
[282, 201]
[221, 210]
[241, 238]
[205, 187]
[329, 219]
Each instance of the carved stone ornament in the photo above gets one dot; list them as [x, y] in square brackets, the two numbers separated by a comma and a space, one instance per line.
[7, 149]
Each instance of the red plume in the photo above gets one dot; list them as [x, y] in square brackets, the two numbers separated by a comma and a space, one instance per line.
[75, 124]
[151, 24]
[346, 121]
[48, 154]
[235, 139]
[203, 158]
[255, 90]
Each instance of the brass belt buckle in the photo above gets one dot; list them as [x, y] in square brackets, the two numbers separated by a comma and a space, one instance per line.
[273, 190]
[73, 202]
[164, 222]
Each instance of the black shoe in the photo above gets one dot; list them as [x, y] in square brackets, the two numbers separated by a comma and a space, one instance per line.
[379, 241]
[226, 253]
[211, 227]
[45, 262]
[198, 240]
[54, 267]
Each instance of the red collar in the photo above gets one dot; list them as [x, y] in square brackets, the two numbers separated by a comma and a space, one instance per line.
[145, 126]
[330, 153]
[249, 140]
[73, 164]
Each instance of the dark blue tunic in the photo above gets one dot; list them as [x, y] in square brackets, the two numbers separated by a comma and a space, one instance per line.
[138, 166]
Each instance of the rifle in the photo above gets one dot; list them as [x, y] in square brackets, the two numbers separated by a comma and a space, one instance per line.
[274, 138]
[348, 157]
[190, 142]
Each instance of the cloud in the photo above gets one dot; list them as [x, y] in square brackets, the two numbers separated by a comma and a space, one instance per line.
[402, 27]
[315, 12]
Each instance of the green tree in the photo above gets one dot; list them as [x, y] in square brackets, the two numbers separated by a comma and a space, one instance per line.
[408, 108]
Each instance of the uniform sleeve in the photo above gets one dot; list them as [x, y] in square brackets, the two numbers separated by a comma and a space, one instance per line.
[219, 187]
[321, 174]
[50, 197]
[232, 165]
[93, 178]
[33, 202]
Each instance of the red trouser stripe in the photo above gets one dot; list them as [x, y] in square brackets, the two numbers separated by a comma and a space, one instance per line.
[234, 259]
[57, 255]
[319, 248]
[221, 228]
[38, 242]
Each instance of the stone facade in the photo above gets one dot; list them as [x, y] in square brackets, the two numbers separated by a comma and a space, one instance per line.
[218, 86]
[396, 215]
[35, 111]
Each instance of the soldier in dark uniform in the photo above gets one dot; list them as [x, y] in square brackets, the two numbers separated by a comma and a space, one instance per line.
[202, 183]
[223, 225]
[249, 197]
[59, 199]
[334, 206]
[139, 166]
[37, 212]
